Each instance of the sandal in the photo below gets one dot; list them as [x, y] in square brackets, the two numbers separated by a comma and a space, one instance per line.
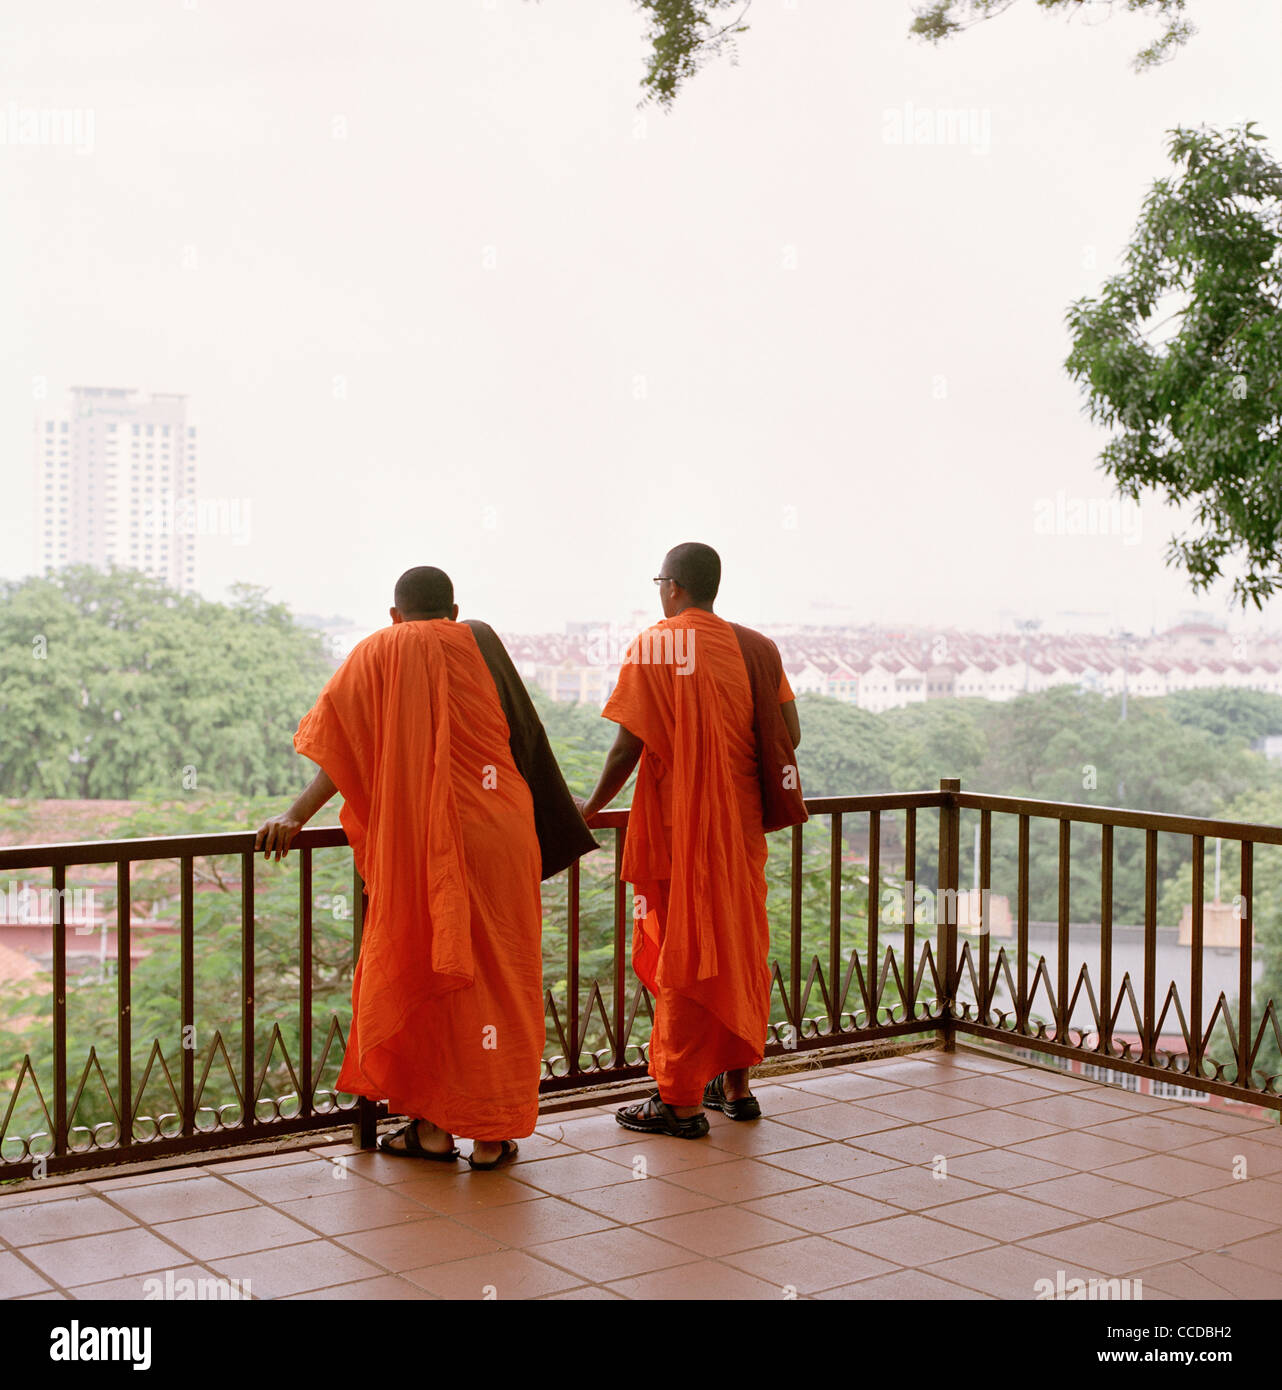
[508, 1155]
[714, 1097]
[653, 1116]
[413, 1148]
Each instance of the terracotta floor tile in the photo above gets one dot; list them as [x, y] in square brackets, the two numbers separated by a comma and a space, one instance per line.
[820, 1208]
[386, 1287]
[989, 1091]
[974, 1059]
[1237, 1277]
[588, 1133]
[291, 1269]
[832, 1162]
[1225, 1152]
[1263, 1250]
[911, 1240]
[178, 1173]
[920, 1105]
[533, 1223]
[577, 1172]
[920, 1144]
[28, 1194]
[1151, 1132]
[365, 1208]
[77, 1216]
[1078, 1149]
[1069, 1112]
[1003, 1169]
[905, 1071]
[138, 1287]
[463, 1191]
[777, 1100]
[95, 1259]
[746, 1137]
[592, 1293]
[1006, 1271]
[843, 1121]
[1090, 1195]
[1178, 1177]
[720, 1231]
[170, 1201]
[843, 1085]
[17, 1278]
[614, 1254]
[1058, 1081]
[1111, 1250]
[902, 1285]
[808, 1264]
[233, 1232]
[505, 1275]
[435, 1240]
[291, 1181]
[1253, 1197]
[739, 1180]
[1004, 1216]
[662, 1155]
[646, 1199]
[225, 1167]
[1224, 1121]
[913, 1187]
[997, 1127]
[1190, 1222]
[1179, 1281]
[389, 1169]
[708, 1279]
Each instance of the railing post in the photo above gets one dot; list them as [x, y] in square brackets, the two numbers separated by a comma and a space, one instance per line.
[365, 1130]
[946, 916]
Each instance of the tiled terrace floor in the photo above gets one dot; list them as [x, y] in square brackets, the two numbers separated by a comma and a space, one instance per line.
[934, 1175]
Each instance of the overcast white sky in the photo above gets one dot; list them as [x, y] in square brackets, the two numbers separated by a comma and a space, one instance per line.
[440, 294]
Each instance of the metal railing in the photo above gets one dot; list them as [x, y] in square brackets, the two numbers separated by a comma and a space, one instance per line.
[872, 980]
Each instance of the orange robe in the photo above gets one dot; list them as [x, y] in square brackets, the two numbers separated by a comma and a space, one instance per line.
[695, 851]
[447, 999]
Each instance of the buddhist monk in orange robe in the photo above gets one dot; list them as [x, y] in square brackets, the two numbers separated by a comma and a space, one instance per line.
[696, 849]
[447, 999]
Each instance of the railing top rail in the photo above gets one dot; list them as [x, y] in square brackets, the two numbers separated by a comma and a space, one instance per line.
[326, 837]
[167, 847]
[1119, 816]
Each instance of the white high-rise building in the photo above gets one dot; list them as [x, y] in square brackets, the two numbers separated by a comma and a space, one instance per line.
[115, 483]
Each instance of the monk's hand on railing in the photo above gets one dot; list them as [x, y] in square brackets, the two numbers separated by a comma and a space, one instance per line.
[582, 803]
[276, 836]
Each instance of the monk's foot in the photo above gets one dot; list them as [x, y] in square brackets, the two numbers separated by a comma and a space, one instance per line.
[420, 1139]
[653, 1116]
[492, 1153]
[735, 1084]
[430, 1139]
[729, 1093]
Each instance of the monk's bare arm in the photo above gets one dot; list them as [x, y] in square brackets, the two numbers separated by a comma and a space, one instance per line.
[789, 712]
[619, 762]
[277, 834]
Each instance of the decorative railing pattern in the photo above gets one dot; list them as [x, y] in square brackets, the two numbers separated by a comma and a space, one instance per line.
[841, 974]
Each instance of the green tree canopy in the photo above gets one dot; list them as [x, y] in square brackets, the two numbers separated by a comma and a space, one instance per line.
[112, 684]
[1197, 412]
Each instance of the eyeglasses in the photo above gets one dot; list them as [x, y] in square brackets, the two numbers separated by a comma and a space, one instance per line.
[664, 579]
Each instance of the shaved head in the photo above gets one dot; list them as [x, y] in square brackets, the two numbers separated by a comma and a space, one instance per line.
[424, 591]
[696, 567]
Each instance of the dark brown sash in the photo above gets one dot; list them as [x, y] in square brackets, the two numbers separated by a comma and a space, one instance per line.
[781, 798]
[563, 837]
